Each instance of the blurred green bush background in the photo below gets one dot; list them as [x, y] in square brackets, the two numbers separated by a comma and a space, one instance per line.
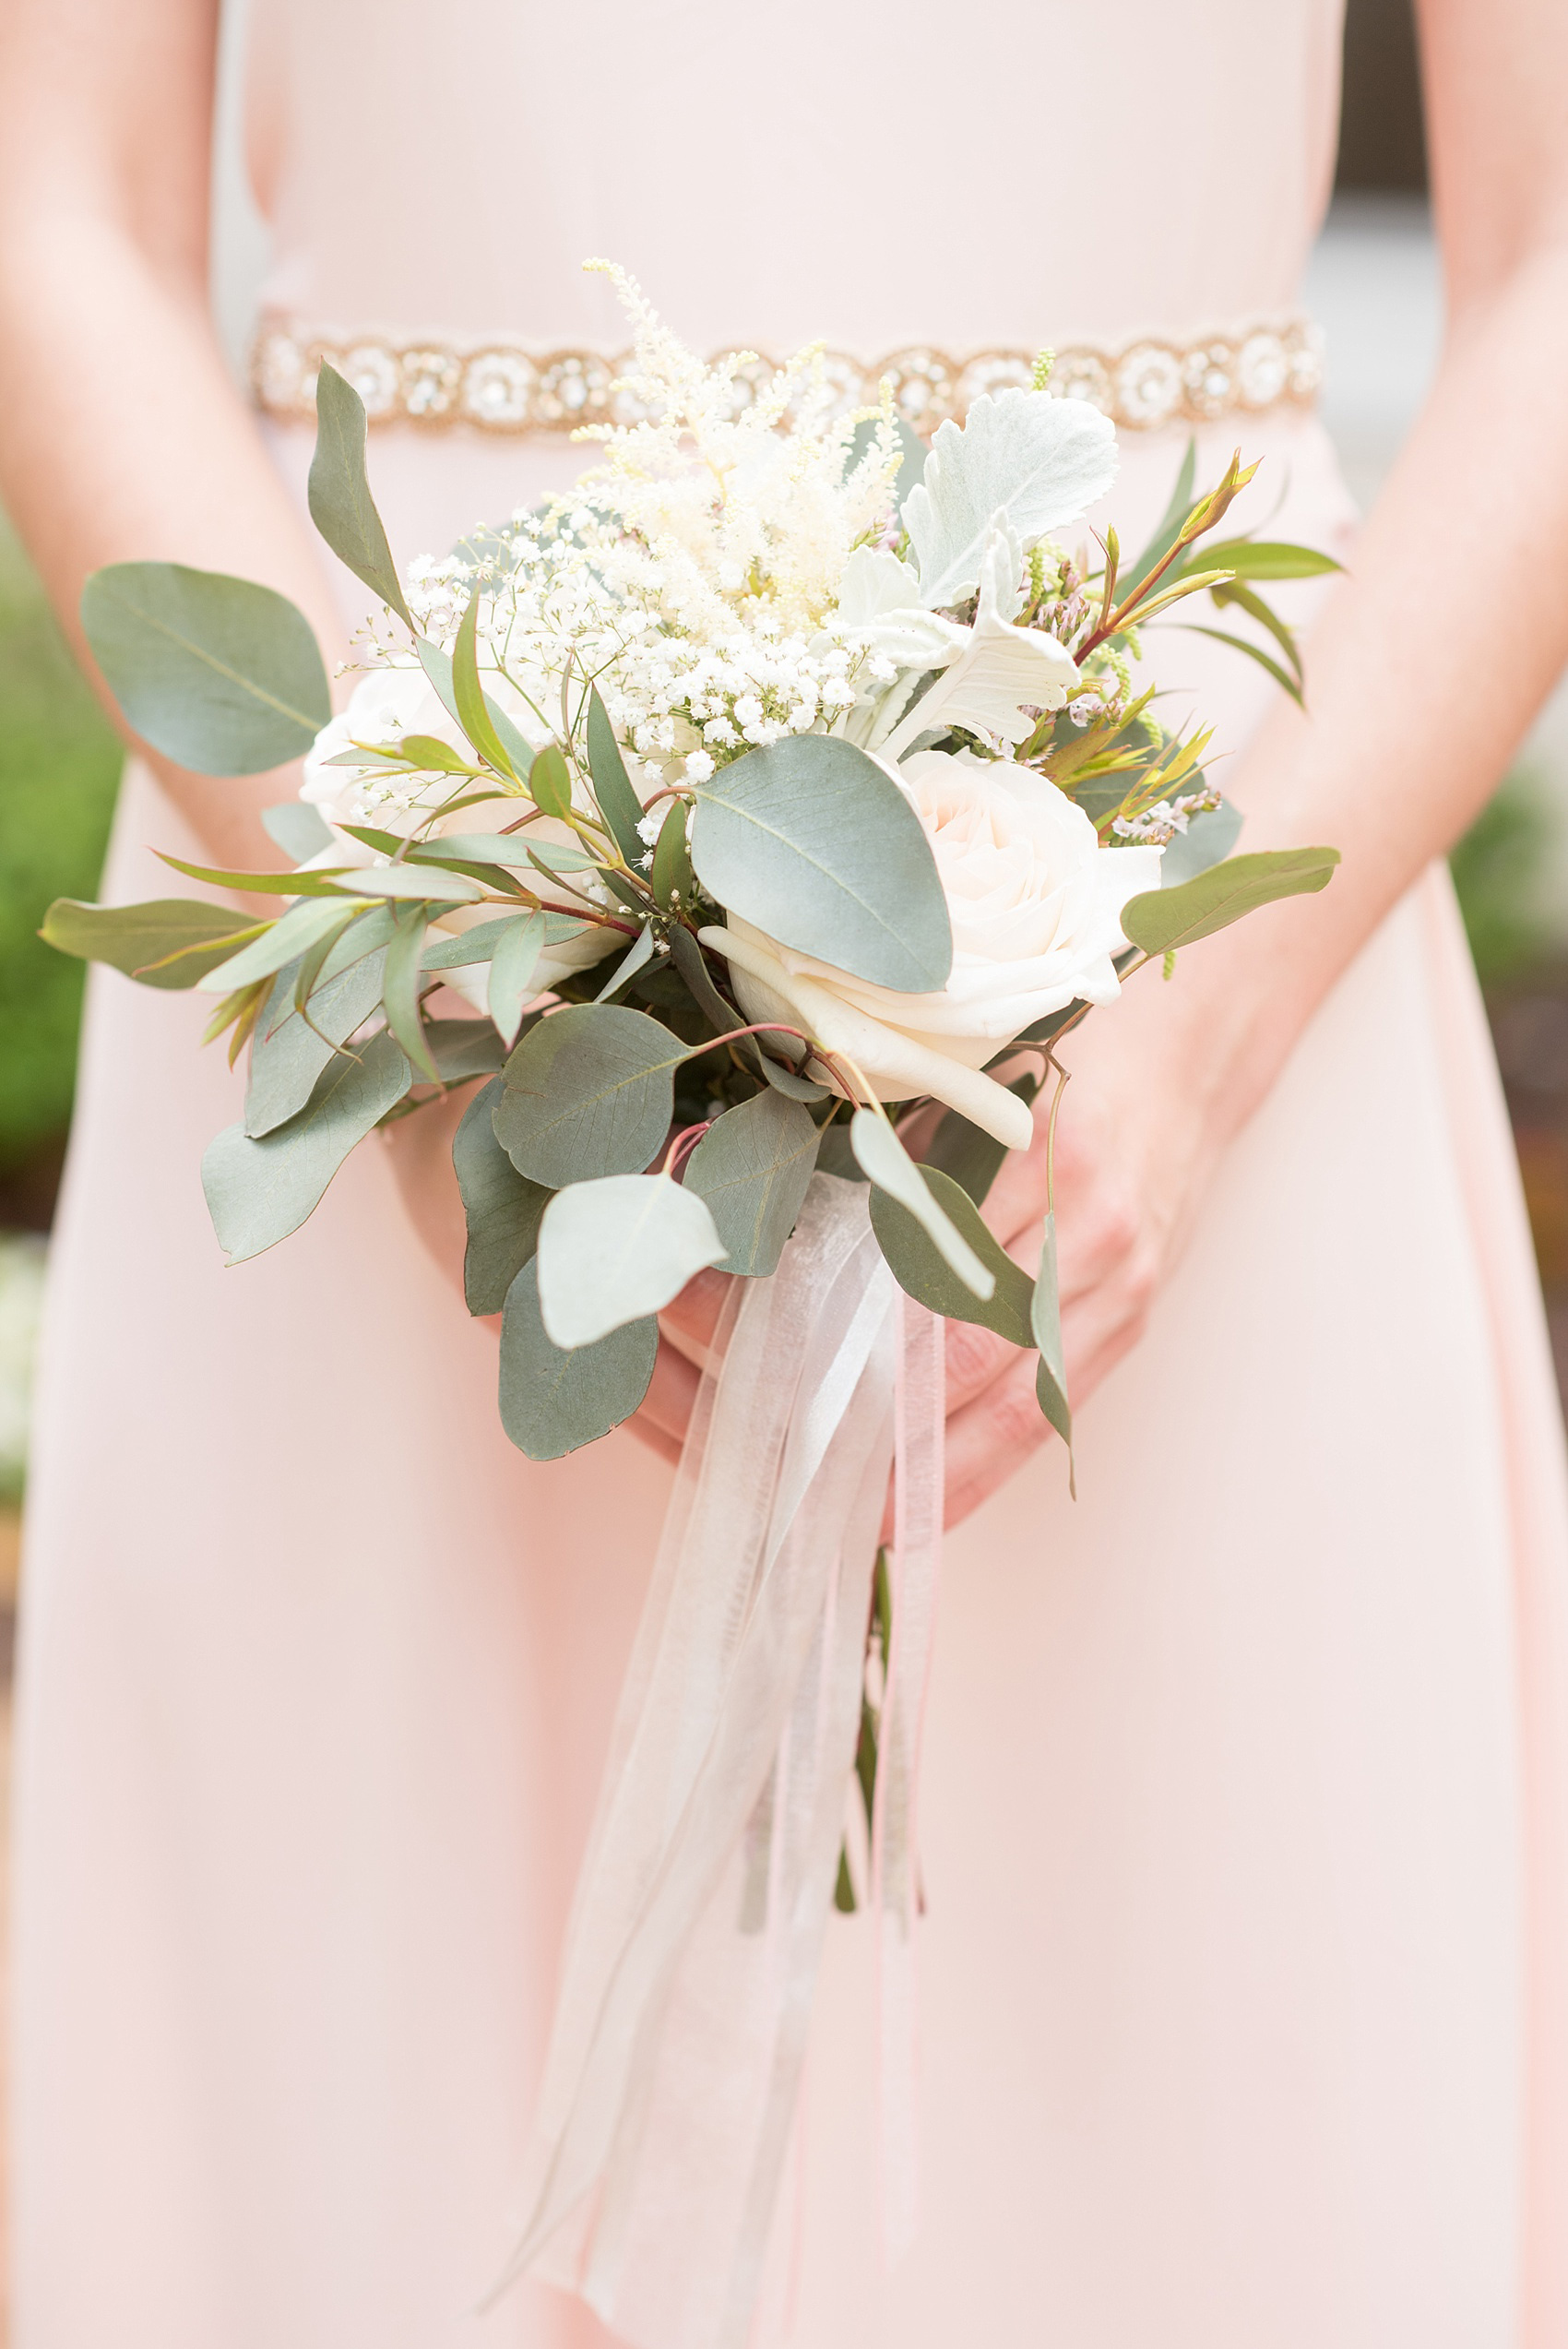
[59, 763]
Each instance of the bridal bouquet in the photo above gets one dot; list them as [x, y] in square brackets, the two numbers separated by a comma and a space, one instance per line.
[779, 783]
[746, 828]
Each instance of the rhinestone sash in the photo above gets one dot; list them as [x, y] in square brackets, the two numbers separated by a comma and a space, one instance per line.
[504, 387]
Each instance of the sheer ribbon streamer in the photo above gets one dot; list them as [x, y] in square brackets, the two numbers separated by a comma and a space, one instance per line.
[673, 2068]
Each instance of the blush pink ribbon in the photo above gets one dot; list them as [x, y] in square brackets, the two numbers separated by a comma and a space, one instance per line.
[674, 2069]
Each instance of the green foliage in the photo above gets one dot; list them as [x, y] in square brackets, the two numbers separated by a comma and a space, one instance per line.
[589, 1092]
[616, 1249]
[618, 802]
[289, 1053]
[1497, 872]
[815, 843]
[752, 1167]
[340, 504]
[889, 1166]
[921, 1269]
[1045, 1324]
[165, 942]
[512, 966]
[552, 1402]
[220, 675]
[502, 1208]
[1162, 920]
[257, 1192]
[59, 769]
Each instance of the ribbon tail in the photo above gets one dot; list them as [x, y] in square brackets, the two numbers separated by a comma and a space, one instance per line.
[919, 1436]
[689, 1970]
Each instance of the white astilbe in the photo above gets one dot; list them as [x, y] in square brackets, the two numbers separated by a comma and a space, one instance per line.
[740, 497]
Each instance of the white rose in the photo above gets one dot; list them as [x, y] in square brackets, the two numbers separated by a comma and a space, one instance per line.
[1035, 905]
[389, 703]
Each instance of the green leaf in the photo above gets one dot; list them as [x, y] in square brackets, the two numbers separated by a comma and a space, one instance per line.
[892, 1170]
[288, 1053]
[618, 802]
[835, 1156]
[257, 1192]
[322, 883]
[297, 828]
[503, 1206]
[550, 782]
[1253, 558]
[1254, 652]
[671, 879]
[558, 856]
[464, 1048]
[438, 667]
[312, 919]
[473, 710]
[752, 1167]
[971, 1156]
[435, 884]
[786, 1080]
[167, 942]
[919, 1269]
[815, 843]
[1249, 600]
[367, 933]
[479, 943]
[692, 964]
[340, 504]
[1210, 835]
[553, 1402]
[512, 967]
[589, 1092]
[220, 675]
[470, 848]
[637, 957]
[617, 1248]
[1162, 920]
[1169, 529]
[428, 754]
[1045, 1325]
[400, 989]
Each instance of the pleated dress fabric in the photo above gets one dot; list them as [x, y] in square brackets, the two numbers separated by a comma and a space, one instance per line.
[1246, 1791]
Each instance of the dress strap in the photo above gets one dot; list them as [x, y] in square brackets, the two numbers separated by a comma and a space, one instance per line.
[502, 387]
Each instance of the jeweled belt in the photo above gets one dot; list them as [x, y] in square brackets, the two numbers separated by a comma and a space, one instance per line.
[504, 387]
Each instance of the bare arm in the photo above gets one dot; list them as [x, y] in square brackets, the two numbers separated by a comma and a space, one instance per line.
[1424, 673]
[122, 436]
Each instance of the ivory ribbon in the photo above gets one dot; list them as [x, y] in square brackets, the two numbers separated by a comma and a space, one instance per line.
[919, 1424]
[691, 1960]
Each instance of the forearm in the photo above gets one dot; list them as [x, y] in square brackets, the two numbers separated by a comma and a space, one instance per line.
[1426, 667]
[124, 440]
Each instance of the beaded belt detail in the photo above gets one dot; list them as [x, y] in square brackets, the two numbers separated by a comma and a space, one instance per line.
[502, 387]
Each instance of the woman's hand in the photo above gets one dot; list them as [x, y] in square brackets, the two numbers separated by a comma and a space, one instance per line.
[1142, 1123]
[1140, 1128]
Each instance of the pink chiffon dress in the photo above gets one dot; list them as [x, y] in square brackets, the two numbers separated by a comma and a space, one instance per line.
[1245, 1805]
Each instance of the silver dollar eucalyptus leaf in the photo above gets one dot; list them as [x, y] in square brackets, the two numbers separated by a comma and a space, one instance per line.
[613, 1250]
[884, 1157]
[503, 1206]
[555, 1401]
[257, 1192]
[220, 675]
[752, 1167]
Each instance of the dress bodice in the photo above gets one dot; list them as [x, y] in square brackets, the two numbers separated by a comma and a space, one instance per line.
[1007, 171]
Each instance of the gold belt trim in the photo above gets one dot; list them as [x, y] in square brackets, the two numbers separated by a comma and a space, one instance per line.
[504, 387]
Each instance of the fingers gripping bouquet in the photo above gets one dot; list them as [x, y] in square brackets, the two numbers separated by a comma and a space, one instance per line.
[772, 804]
